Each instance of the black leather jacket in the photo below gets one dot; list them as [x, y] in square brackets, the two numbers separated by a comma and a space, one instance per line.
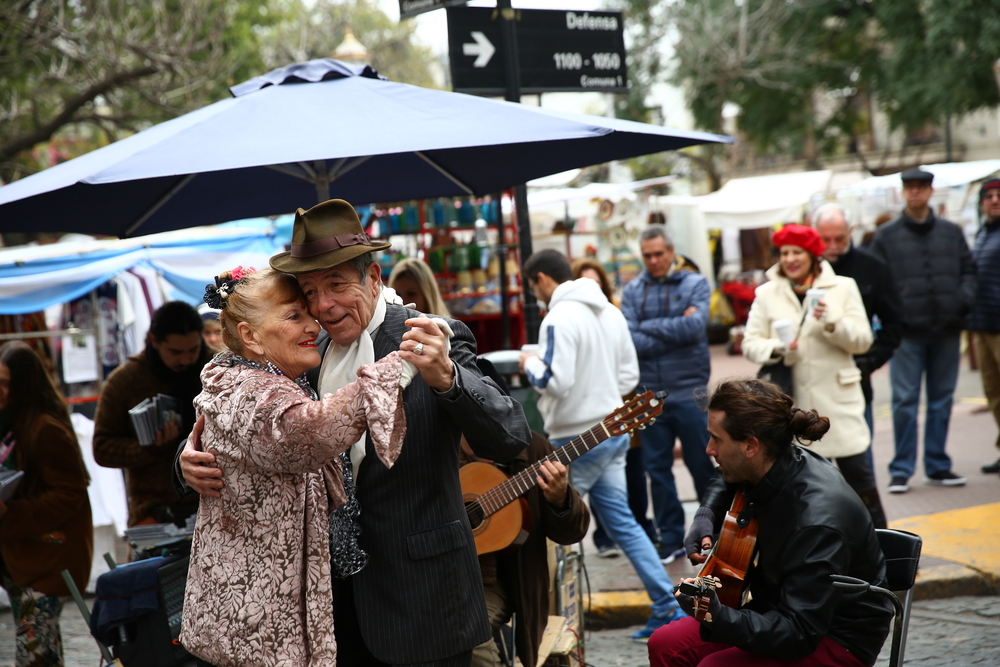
[811, 524]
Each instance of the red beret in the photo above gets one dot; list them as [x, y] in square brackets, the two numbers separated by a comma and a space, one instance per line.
[806, 238]
[990, 184]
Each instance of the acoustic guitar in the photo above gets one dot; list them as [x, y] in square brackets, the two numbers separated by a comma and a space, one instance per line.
[498, 522]
[726, 569]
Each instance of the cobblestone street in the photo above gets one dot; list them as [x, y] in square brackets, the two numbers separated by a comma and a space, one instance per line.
[956, 632]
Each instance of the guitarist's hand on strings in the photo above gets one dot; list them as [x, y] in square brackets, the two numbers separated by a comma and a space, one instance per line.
[705, 607]
[553, 480]
[699, 538]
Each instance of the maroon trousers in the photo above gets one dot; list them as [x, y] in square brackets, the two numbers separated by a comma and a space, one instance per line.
[679, 644]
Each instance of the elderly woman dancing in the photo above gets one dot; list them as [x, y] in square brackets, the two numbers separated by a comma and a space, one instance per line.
[259, 587]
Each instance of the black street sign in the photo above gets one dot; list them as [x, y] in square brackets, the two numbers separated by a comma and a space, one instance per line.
[410, 8]
[559, 51]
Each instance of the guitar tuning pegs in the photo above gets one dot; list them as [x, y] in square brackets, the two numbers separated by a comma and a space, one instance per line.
[652, 421]
[654, 402]
[642, 427]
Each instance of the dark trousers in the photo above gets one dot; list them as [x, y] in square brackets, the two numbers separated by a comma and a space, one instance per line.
[351, 649]
[859, 475]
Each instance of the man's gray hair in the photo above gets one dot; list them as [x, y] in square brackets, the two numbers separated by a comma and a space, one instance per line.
[828, 210]
[656, 231]
[361, 264]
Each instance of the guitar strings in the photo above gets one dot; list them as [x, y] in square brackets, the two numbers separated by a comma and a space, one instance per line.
[502, 494]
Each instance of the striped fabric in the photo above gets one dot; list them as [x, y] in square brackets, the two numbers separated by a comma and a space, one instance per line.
[420, 598]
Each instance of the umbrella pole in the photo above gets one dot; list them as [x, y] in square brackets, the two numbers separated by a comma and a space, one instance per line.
[322, 182]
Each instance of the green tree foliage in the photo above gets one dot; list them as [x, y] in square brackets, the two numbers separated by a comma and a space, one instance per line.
[938, 59]
[109, 67]
[646, 29]
[315, 29]
[79, 74]
[804, 75]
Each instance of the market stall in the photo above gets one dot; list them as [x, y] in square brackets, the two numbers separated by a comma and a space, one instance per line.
[85, 304]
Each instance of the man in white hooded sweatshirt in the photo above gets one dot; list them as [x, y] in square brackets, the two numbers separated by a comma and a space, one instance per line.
[587, 363]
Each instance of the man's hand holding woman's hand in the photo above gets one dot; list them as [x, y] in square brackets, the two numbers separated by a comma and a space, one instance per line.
[425, 346]
[196, 465]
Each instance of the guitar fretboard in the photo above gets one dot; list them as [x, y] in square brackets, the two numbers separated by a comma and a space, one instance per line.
[518, 485]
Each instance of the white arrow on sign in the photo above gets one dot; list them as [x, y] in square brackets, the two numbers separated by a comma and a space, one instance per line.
[483, 49]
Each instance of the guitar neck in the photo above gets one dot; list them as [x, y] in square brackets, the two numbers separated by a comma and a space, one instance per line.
[503, 494]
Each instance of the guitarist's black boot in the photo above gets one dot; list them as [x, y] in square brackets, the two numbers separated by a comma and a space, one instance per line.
[874, 506]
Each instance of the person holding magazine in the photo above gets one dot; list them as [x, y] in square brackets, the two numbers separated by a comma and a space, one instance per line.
[282, 450]
[824, 320]
[45, 524]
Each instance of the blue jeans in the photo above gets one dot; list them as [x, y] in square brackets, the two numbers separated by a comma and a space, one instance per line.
[601, 473]
[684, 420]
[638, 499]
[938, 359]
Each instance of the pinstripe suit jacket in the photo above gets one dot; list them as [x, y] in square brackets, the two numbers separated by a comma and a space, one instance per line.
[420, 598]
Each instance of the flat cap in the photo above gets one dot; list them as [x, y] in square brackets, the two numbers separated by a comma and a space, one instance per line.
[917, 175]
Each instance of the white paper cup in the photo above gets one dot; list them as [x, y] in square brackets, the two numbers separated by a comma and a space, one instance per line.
[783, 329]
[813, 297]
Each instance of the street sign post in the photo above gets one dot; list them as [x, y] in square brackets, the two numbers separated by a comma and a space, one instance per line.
[558, 51]
[410, 8]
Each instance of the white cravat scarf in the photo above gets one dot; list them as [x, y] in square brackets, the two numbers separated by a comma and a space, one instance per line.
[341, 362]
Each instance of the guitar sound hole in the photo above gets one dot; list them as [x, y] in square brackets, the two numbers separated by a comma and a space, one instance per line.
[475, 514]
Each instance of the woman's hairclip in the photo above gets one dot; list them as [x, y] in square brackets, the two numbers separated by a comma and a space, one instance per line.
[217, 295]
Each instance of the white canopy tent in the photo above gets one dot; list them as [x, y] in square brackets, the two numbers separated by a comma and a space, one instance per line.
[955, 189]
[757, 201]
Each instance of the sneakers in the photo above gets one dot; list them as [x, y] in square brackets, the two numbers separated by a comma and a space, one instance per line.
[669, 554]
[608, 550]
[899, 485]
[655, 623]
[944, 478]
[991, 468]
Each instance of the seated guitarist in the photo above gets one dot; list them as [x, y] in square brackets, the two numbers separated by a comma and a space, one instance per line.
[517, 581]
[811, 524]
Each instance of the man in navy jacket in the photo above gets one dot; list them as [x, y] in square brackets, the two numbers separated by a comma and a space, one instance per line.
[666, 307]
[984, 320]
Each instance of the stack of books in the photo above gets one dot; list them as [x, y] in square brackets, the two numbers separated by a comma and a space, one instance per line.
[153, 539]
[9, 479]
[152, 415]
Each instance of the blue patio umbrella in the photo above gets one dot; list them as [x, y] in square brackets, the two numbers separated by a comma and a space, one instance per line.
[310, 131]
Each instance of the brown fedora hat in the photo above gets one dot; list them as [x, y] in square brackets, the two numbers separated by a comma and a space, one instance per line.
[326, 235]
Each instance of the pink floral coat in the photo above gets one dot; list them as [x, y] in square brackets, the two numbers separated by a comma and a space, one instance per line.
[259, 585]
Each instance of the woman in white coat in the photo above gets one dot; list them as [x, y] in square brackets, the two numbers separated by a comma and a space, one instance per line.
[821, 354]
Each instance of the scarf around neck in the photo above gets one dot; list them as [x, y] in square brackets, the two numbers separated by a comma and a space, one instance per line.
[341, 362]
